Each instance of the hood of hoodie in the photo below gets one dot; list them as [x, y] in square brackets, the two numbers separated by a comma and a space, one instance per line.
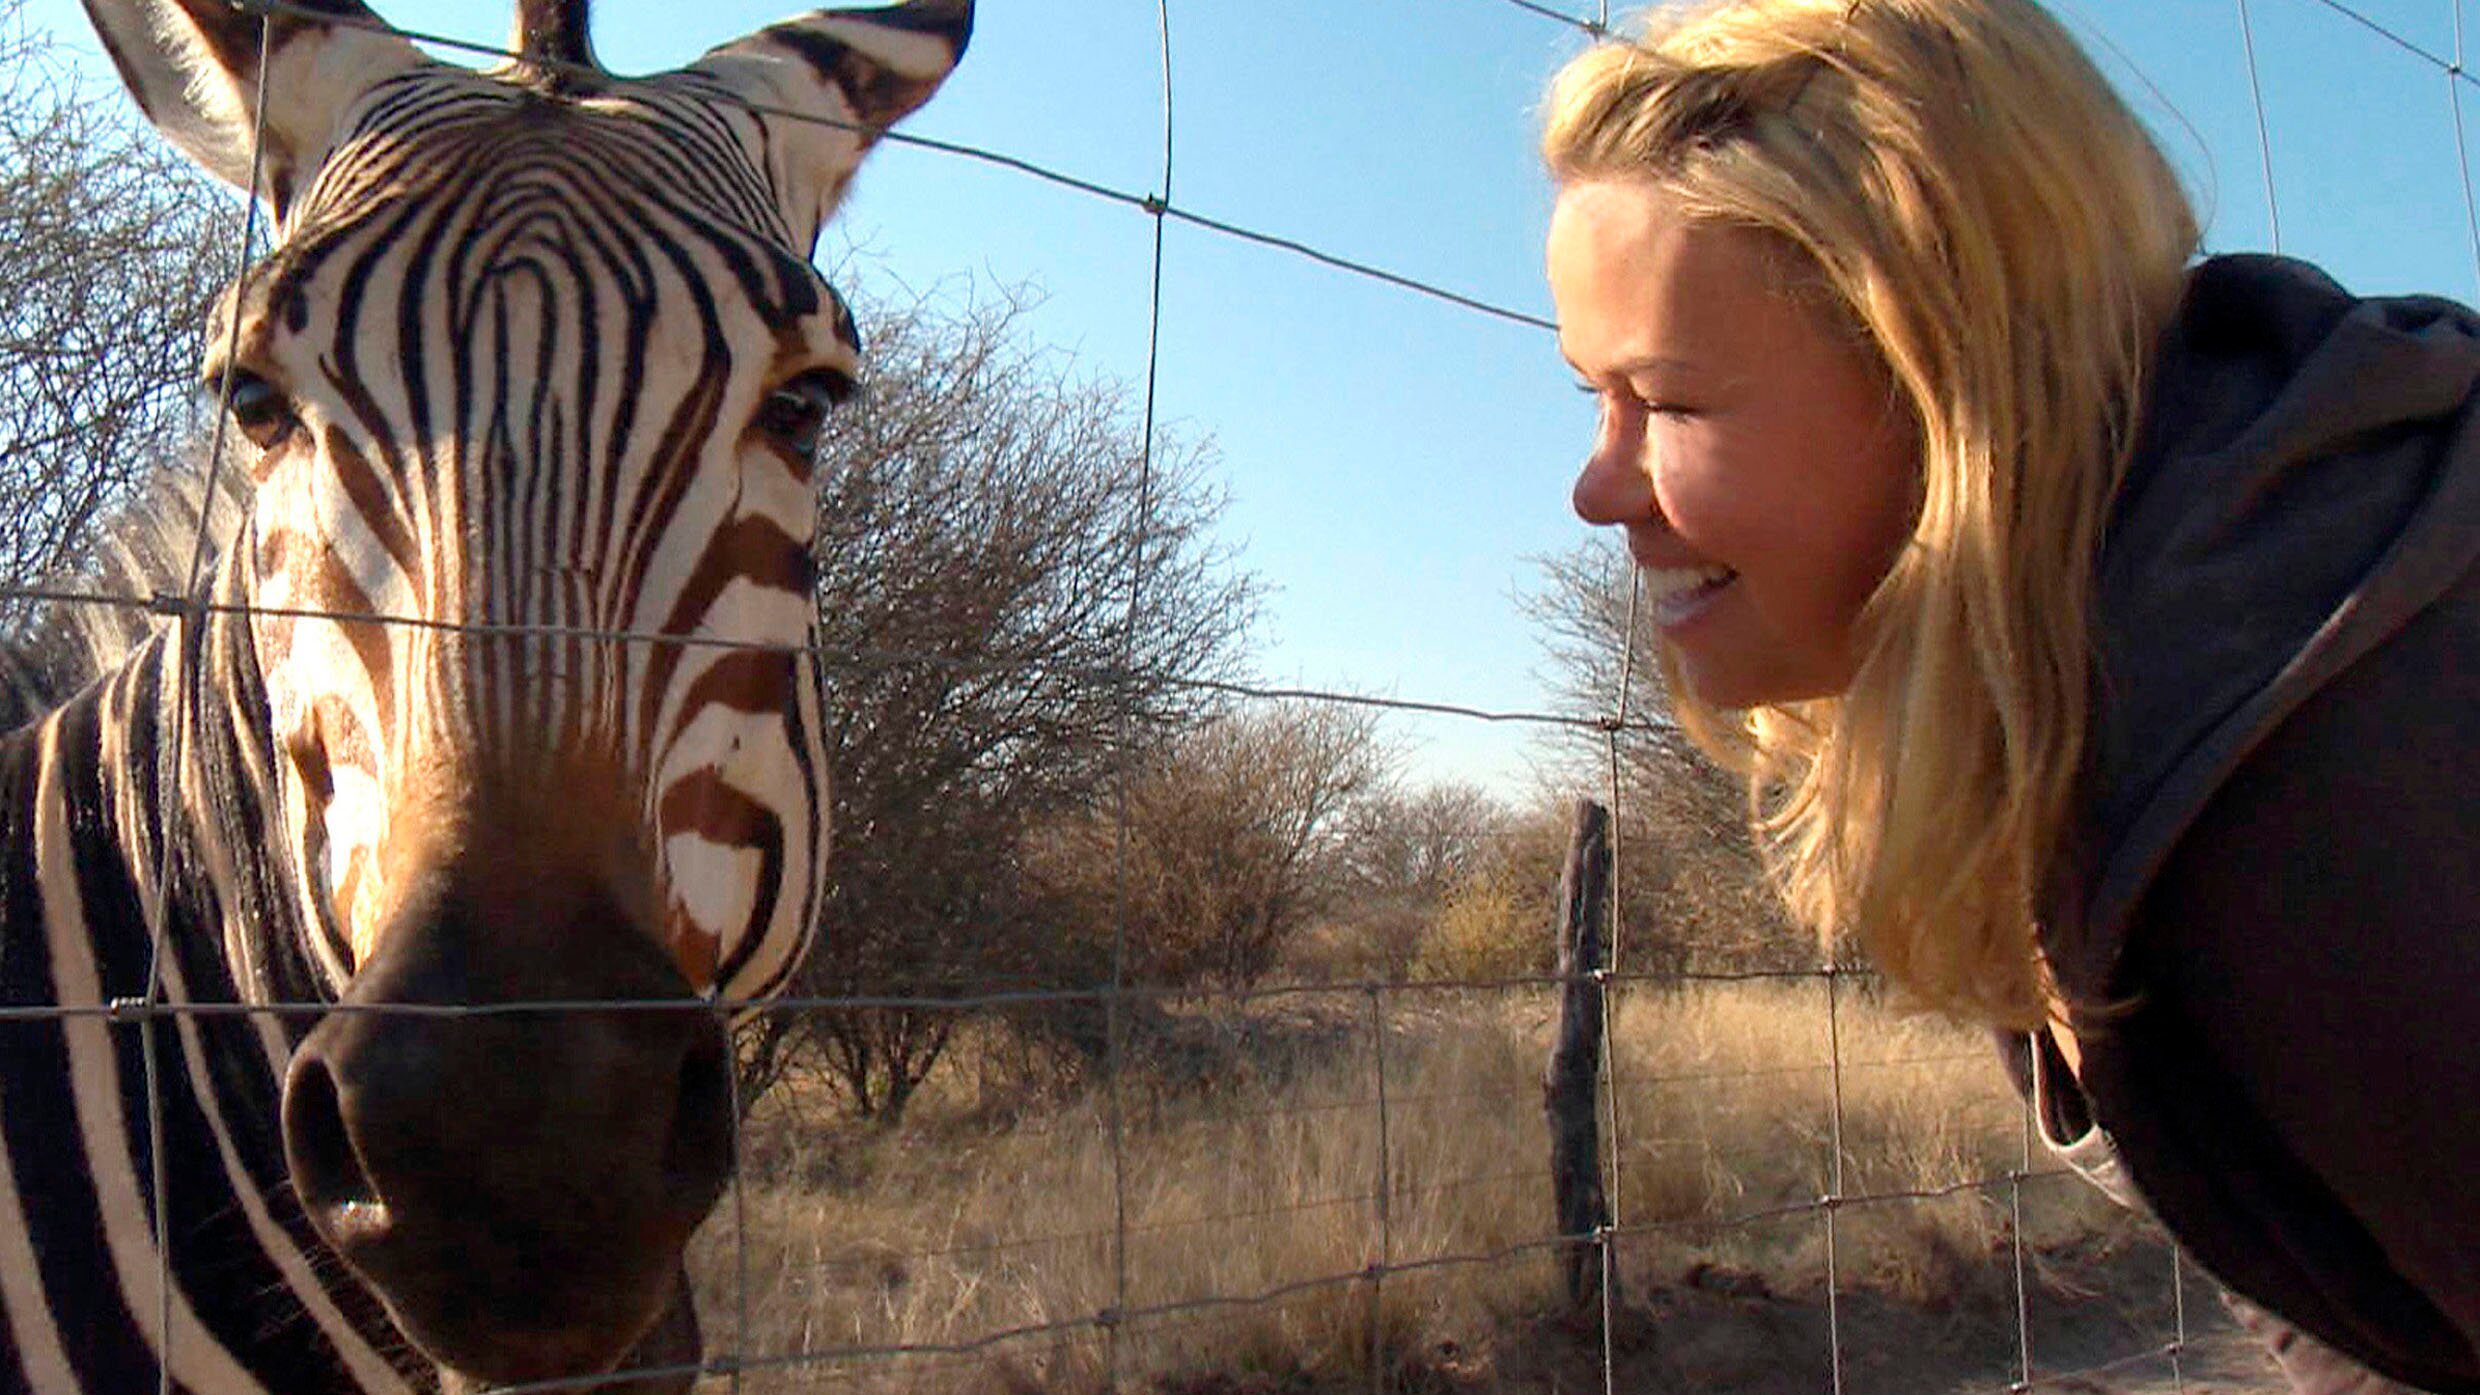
[2306, 479]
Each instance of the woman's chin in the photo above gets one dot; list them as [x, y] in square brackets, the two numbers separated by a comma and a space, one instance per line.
[1735, 684]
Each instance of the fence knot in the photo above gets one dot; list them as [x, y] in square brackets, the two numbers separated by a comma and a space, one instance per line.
[174, 603]
[1156, 205]
[1109, 1318]
[128, 1010]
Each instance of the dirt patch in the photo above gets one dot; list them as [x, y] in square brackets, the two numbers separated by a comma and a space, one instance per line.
[2099, 1323]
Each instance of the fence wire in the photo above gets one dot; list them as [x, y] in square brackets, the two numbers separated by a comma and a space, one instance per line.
[1392, 1249]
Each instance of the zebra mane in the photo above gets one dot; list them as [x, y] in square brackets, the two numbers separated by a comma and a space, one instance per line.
[143, 549]
[553, 42]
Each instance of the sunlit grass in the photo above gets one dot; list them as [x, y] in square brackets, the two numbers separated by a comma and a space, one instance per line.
[1252, 1171]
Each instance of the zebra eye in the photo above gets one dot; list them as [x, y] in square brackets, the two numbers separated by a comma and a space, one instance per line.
[795, 413]
[261, 412]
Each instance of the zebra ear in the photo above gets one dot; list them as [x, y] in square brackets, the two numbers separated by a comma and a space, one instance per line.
[193, 66]
[825, 86]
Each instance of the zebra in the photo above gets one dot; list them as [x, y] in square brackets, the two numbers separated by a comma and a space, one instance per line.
[534, 370]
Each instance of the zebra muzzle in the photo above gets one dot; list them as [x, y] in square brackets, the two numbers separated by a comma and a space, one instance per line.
[515, 1181]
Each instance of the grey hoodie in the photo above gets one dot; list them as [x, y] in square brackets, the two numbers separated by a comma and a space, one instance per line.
[2276, 884]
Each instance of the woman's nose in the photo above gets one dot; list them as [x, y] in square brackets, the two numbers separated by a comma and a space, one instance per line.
[1613, 488]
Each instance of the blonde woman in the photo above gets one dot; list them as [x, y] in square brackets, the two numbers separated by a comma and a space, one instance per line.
[2100, 629]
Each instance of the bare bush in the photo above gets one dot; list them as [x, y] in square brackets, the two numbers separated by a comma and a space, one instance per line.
[1402, 853]
[115, 248]
[1221, 849]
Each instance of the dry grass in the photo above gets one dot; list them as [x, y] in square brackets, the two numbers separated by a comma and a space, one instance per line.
[1256, 1173]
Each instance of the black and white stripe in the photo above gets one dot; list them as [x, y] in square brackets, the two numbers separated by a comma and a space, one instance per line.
[92, 802]
[528, 375]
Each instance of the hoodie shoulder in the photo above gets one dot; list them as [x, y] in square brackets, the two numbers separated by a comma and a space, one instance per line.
[2269, 356]
[2307, 477]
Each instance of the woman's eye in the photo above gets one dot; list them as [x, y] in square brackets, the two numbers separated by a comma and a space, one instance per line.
[261, 413]
[795, 413]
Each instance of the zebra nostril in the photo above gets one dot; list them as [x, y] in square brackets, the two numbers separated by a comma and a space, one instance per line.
[327, 1169]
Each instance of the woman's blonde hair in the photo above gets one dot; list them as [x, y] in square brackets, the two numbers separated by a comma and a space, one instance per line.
[2003, 232]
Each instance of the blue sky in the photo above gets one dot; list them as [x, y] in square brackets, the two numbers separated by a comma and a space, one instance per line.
[1395, 464]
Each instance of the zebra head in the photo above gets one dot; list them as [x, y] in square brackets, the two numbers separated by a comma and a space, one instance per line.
[533, 371]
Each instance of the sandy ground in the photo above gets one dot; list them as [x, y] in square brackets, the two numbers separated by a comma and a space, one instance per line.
[2105, 1324]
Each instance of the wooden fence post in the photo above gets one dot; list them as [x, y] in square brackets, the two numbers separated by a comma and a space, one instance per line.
[1568, 1085]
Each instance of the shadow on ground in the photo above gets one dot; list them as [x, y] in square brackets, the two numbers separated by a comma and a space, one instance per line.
[2099, 1321]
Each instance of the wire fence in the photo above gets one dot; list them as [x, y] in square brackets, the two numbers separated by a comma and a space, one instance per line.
[1366, 1235]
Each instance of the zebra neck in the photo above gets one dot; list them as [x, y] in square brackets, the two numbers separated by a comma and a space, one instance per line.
[181, 784]
[132, 873]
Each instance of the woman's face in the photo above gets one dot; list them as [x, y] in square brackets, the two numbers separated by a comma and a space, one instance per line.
[1752, 447]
